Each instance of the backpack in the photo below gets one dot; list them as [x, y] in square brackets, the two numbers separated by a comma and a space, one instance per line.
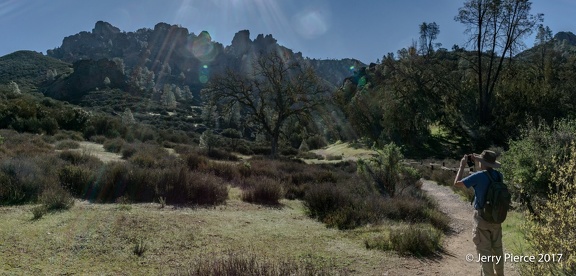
[498, 200]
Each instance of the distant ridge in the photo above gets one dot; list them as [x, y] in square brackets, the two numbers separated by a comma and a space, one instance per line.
[29, 68]
[176, 56]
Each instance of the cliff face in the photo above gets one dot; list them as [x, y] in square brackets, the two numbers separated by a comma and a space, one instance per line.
[175, 56]
[87, 75]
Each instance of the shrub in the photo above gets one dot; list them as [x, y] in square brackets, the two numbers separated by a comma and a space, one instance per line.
[98, 139]
[179, 186]
[49, 125]
[345, 218]
[206, 189]
[324, 200]
[109, 184]
[68, 135]
[443, 177]
[259, 149]
[310, 155]
[247, 263]
[232, 133]
[262, 190]
[114, 145]
[295, 192]
[288, 151]
[552, 229]
[195, 161]
[38, 212]
[406, 208]
[527, 165]
[144, 160]
[466, 193]
[75, 179]
[21, 180]
[142, 183]
[316, 142]
[228, 172]
[419, 240]
[128, 151]
[439, 220]
[56, 198]
[184, 149]
[333, 157]
[78, 158]
[221, 155]
[154, 156]
[383, 170]
[26, 145]
[302, 177]
[67, 144]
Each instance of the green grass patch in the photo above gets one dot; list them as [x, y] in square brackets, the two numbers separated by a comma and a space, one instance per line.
[512, 234]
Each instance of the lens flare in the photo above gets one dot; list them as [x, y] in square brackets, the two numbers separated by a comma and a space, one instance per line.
[203, 48]
[311, 23]
[203, 74]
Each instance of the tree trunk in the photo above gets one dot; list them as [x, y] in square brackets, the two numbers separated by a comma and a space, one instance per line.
[274, 146]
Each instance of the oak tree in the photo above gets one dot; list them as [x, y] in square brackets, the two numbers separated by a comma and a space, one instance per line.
[277, 89]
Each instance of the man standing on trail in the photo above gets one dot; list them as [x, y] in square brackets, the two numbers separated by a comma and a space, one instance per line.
[486, 236]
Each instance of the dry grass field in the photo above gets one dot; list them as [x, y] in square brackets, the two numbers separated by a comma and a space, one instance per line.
[100, 239]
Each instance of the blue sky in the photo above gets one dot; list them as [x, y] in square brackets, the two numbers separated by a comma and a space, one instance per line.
[363, 29]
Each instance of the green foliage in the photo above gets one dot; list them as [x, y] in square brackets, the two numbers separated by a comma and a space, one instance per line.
[384, 169]
[36, 114]
[528, 163]
[497, 28]
[552, 229]
[28, 68]
[38, 212]
[140, 247]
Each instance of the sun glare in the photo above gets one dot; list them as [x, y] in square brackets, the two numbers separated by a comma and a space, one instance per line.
[310, 23]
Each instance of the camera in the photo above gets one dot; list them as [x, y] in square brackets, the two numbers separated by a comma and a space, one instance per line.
[470, 161]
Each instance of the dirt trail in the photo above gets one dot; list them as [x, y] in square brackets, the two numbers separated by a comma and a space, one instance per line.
[457, 244]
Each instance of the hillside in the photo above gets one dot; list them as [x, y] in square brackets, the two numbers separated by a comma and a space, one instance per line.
[29, 69]
[563, 43]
